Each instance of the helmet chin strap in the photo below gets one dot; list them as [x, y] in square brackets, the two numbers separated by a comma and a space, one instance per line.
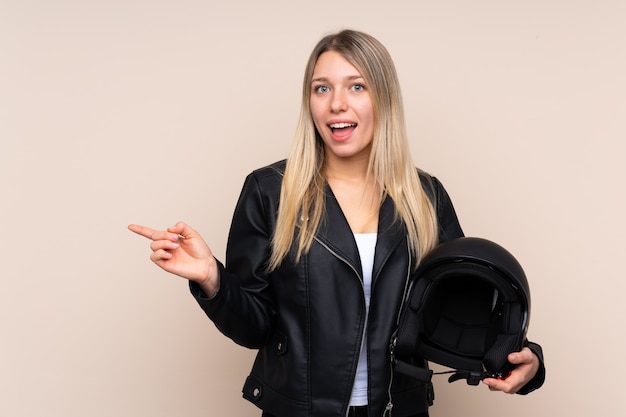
[472, 377]
[425, 375]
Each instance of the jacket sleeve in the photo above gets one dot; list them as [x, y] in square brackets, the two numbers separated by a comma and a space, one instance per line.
[243, 307]
[540, 377]
[449, 226]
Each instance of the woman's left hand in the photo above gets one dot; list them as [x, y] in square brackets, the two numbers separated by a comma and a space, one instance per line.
[526, 367]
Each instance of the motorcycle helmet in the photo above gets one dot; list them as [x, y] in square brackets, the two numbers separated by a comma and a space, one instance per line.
[467, 308]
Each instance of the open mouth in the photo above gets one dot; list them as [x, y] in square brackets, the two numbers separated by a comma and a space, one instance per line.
[342, 127]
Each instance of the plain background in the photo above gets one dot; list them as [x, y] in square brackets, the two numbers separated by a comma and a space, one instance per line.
[137, 111]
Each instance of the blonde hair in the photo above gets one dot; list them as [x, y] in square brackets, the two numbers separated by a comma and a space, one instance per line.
[302, 195]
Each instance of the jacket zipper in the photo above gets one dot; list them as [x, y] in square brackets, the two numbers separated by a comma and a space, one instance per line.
[344, 260]
[389, 406]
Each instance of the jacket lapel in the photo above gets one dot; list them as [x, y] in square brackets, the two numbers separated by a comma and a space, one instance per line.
[335, 233]
[391, 233]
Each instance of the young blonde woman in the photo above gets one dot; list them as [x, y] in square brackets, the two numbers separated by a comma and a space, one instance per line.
[322, 247]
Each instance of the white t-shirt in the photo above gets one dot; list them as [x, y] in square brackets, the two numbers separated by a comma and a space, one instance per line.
[366, 243]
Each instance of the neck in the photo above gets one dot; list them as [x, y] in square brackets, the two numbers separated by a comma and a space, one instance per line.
[349, 169]
[357, 193]
[351, 176]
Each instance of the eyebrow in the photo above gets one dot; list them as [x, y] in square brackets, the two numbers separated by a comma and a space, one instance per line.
[349, 78]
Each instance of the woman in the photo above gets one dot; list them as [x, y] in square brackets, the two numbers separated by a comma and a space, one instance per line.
[322, 247]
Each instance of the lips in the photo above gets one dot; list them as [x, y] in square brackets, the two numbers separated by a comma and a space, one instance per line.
[341, 131]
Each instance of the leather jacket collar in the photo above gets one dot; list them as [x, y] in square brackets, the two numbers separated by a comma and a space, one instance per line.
[390, 234]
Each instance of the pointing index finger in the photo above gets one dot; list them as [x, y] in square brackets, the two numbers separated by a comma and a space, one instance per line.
[142, 230]
[154, 234]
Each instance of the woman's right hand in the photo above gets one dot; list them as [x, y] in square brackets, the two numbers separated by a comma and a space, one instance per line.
[180, 250]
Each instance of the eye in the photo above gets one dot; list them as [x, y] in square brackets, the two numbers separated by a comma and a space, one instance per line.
[358, 87]
[321, 89]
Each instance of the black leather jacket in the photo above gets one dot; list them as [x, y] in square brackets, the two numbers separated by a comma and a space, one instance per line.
[308, 318]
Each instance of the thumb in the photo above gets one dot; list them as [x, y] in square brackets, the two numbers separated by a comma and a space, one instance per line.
[183, 229]
[515, 358]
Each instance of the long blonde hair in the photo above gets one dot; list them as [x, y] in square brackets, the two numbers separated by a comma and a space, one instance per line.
[302, 195]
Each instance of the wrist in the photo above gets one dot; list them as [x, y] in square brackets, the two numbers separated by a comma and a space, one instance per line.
[210, 284]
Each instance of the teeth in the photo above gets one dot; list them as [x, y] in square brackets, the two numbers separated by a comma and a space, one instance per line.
[341, 125]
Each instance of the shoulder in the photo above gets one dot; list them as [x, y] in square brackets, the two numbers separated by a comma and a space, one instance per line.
[432, 186]
[266, 180]
[449, 226]
[272, 172]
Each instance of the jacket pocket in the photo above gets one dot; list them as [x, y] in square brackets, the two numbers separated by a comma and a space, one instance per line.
[272, 401]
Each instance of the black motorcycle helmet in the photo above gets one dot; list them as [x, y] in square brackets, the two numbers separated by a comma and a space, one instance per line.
[467, 308]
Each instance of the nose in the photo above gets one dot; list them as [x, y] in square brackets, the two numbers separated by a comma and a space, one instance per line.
[338, 103]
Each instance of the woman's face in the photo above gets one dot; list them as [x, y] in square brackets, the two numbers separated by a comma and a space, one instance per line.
[342, 108]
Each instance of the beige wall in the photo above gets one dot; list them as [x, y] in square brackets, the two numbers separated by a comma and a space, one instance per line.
[145, 111]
